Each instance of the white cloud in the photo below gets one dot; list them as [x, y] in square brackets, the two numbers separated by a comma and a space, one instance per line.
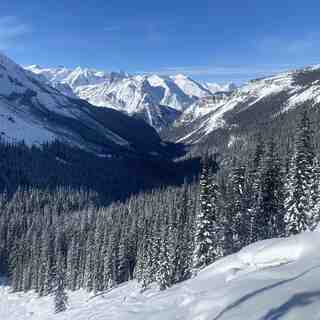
[11, 29]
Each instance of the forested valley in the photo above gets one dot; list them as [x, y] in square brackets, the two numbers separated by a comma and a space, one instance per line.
[68, 220]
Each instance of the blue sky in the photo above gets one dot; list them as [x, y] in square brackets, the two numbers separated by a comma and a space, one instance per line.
[209, 40]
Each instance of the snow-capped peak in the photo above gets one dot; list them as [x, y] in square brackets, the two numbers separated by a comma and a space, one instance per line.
[180, 76]
[191, 87]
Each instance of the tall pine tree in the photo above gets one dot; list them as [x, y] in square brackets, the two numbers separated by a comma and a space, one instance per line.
[206, 250]
[300, 179]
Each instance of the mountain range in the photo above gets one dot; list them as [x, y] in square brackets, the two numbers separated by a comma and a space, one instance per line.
[102, 111]
[36, 112]
[159, 100]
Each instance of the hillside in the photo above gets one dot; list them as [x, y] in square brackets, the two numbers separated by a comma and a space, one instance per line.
[268, 280]
[258, 102]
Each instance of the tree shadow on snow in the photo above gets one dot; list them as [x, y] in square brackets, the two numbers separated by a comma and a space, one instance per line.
[297, 299]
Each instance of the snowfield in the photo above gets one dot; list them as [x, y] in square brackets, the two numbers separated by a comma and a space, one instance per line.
[272, 279]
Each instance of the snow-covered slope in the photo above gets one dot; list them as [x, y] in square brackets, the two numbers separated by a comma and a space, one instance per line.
[204, 106]
[269, 280]
[191, 87]
[35, 112]
[134, 96]
[258, 100]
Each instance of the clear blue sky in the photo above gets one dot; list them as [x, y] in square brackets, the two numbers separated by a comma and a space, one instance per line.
[212, 40]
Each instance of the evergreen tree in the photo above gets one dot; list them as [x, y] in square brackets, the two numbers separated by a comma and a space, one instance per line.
[300, 179]
[182, 249]
[206, 221]
[239, 218]
[164, 274]
[60, 295]
[315, 195]
[269, 214]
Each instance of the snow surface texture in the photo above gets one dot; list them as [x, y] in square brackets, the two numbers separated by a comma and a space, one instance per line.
[268, 280]
[142, 94]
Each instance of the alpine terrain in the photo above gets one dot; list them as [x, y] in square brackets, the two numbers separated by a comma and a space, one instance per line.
[186, 187]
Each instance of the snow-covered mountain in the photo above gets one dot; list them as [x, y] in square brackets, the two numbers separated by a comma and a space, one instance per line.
[159, 100]
[268, 280]
[33, 111]
[254, 102]
[204, 106]
[215, 87]
[191, 87]
[74, 78]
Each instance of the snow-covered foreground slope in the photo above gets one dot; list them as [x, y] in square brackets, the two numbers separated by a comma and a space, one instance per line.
[273, 279]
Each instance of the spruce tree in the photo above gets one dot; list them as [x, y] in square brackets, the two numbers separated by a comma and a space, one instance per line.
[315, 195]
[205, 251]
[238, 208]
[60, 295]
[269, 214]
[300, 178]
[164, 274]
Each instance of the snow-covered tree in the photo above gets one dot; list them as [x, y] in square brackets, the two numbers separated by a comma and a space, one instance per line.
[60, 295]
[300, 179]
[164, 274]
[207, 249]
[269, 206]
[315, 195]
[237, 217]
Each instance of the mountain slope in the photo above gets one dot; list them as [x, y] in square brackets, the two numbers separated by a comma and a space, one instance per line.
[256, 102]
[191, 87]
[35, 112]
[271, 279]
